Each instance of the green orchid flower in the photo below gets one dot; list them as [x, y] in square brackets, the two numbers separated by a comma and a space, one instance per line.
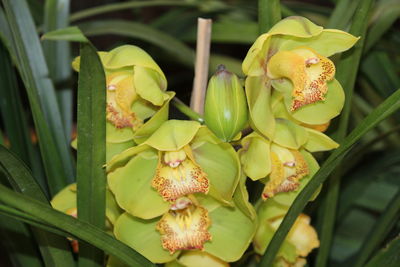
[292, 60]
[193, 225]
[135, 93]
[284, 162]
[300, 241]
[179, 158]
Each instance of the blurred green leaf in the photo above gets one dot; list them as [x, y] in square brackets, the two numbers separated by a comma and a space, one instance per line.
[386, 13]
[342, 14]
[54, 249]
[269, 13]
[18, 243]
[58, 58]
[126, 5]
[384, 110]
[347, 70]
[174, 47]
[379, 68]
[91, 178]
[384, 224]
[33, 70]
[388, 256]
[242, 32]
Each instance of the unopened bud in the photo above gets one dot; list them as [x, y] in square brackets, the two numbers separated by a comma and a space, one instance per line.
[225, 110]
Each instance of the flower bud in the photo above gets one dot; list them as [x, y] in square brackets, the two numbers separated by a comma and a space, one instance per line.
[225, 110]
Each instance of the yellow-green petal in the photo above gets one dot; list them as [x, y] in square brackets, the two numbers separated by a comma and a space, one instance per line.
[113, 211]
[296, 26]
[255, 59]
[123, 157]
[289, 134]
[150, 85]
[147, 129]
[258, 92]
[320, 112]
[116, 148]
[130, 55]
[115, 135]
[221, 164]
[318, 141]
[173, 135]
[231, 231]
[263, 236]
[200, 259]
[65, 199]
[142, 236]
[255, 156]
[241, 199]
[204, 134]
[132, 188]
[327, 43]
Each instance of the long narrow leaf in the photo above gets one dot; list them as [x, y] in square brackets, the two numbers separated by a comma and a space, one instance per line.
[33, 69]
[269, 13]
[384, 110]
[58, 58]
[55, 250]
[91, 178]
[74, 227]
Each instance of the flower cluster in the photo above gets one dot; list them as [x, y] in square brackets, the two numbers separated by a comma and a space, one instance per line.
[177, 189]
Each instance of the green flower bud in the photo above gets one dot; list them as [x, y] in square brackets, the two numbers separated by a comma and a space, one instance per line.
[225, 106]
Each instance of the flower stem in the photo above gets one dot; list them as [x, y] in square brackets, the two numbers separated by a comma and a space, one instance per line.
[182, 107]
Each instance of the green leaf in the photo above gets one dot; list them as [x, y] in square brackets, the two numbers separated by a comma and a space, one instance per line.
[384, 110]
[54, 249]
[269, 13]
[33, 70]
[388, 256]
[91, 178]
[342, 14]
[44, 216]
